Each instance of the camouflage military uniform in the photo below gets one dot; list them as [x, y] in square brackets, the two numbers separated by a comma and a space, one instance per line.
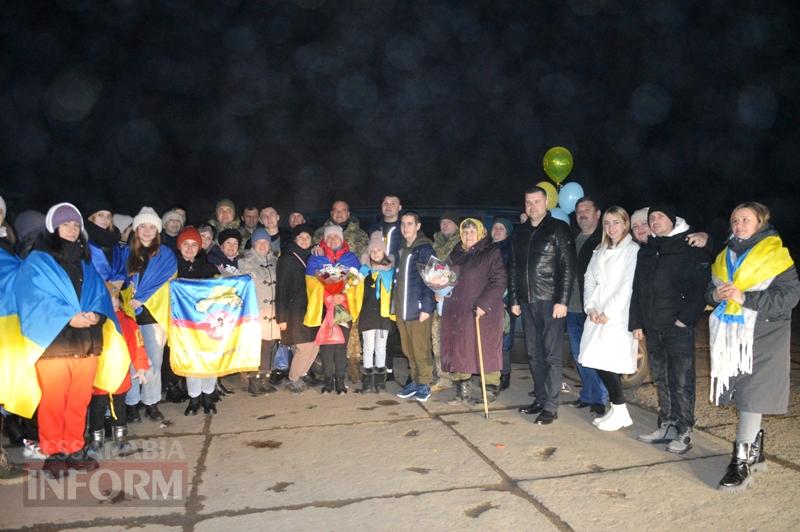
[442, 246]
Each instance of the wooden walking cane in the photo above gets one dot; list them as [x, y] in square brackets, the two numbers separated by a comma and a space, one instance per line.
[480, 362]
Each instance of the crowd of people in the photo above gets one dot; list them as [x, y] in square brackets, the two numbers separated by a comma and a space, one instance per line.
[612, 281]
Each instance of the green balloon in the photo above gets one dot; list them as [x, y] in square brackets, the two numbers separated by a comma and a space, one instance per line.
[557, 163]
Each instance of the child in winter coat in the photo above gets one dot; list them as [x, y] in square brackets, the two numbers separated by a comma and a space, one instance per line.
[375, 318]
[101, 401]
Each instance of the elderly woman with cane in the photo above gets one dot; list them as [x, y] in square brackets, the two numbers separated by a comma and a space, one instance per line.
[479, 293]
[754, 286]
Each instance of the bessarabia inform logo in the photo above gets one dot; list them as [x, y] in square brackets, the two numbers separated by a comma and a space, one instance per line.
[155, 474]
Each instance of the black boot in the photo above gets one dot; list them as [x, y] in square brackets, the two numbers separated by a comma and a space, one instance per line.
[327, 385]
[379, 380]
[389, 374]
[367, 380]
[253, 385]
[311, 378]
[132, 413]
[56, 465]
[492, 391]
[340, 386]
[505, 381]
[737, 476]
[756, 461]
[192, 407]
[80, 461]
[277, 376]
[153, 413]
[265, 386]
[208, 405]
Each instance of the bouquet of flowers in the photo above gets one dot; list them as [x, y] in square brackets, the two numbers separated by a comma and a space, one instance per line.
[439, 277]
[336, 279]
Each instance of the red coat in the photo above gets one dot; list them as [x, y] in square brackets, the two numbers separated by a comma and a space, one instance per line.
[482, 280]
[133, 338]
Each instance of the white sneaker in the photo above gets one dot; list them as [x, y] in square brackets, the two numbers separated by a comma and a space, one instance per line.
[32, 450]
[620, 418]
[596, 421]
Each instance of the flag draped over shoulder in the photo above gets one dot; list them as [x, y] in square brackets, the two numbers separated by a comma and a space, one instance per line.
[151, 287]
[46, 301]
[109, 271]
[315, 289]
[214, 326]
[10, 334]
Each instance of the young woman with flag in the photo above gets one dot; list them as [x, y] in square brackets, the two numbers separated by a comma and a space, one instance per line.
[754, 286]
[67, 321]
[149, 267]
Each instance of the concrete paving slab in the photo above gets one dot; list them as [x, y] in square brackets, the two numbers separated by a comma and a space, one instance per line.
[459, 509]
[671, 496]
[22, 505]
[571, 445]
[144, 528]
[283, 409]
[328, 463]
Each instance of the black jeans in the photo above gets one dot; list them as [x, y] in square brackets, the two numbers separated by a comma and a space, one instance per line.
[544, 338]
[334, 360]
[671, 357]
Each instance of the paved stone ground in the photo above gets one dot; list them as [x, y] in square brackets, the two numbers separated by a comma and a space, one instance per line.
[376, 462]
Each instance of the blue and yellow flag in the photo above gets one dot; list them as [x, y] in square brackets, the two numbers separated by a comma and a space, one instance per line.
[151, 287]
[316, 289]
[46, 301]
[109, 271]
[10, 334]
[214, 326]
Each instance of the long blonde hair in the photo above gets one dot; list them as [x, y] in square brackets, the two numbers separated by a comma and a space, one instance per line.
[622, 213]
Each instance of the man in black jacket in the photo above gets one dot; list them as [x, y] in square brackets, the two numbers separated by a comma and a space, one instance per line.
[587, 238]
[667, 300]
[541, 273]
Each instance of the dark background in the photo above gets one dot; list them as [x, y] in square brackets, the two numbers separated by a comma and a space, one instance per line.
[294, 103]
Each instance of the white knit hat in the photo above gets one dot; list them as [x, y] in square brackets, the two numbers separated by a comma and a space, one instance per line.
[147, 216]
[122, 221]
[173, 215]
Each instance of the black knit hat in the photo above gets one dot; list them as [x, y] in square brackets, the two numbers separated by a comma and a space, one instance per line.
[302, 228]
[666, 208]
[229, 233]
[449, 215]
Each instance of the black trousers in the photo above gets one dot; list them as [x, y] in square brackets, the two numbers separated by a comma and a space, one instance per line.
[544, 339]
[97, 411]
[334, 360]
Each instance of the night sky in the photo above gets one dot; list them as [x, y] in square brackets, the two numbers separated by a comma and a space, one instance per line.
[295, 103]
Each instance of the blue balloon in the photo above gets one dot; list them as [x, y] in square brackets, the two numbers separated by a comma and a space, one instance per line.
[569, 196]
[559, 214]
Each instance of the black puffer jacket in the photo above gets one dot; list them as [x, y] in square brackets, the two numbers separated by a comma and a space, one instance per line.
[670, 282]
[542, 264]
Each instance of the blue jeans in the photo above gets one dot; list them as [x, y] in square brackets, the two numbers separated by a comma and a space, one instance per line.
[593, 391]
[154, 339]
[671, 357]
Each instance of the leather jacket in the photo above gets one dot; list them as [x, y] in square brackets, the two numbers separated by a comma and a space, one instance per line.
[542, 263]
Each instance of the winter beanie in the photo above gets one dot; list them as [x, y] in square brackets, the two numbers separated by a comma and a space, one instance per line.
[172, 215]
[28, 222]
[260, 234]
[505, 223]
[62, 213]
[666, 208]
[639, 215]
[453, 217]
[229, 233]
[189, 233]
[302, 228]
[122, 222]
[333, 229]
[147, 216]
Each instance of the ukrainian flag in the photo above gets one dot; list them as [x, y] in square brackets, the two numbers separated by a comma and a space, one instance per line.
[152, 286]
[315, 289]
[214, 326]
[46, 301]
[10, 334]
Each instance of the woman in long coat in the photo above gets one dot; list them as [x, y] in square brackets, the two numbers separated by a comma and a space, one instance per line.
[606, 344]
[291, 301]
[478, 292]
[754, 286]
